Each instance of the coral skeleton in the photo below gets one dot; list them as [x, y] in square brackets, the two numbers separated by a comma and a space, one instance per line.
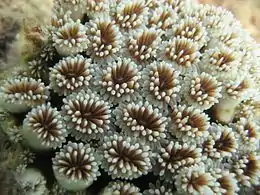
[127, 97]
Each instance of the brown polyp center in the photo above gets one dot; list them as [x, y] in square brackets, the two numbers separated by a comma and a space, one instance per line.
[226, 58]
[166, 78]
[122, 74]
[198, 181]
[224, 143]
[147, 38]
[107, 33]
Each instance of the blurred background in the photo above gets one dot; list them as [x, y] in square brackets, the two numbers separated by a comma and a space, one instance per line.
[247, 11]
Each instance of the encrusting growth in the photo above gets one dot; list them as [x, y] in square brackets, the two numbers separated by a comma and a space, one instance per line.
[164, 93]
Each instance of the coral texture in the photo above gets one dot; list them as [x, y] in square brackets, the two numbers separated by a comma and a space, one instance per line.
[135, 97]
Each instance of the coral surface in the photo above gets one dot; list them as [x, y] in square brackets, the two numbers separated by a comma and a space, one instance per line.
[130, 97]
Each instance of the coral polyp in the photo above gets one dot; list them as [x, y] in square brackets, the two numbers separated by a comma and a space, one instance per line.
[128, 97]
[70, 38]
[44, 128]
[71, 74]
[195, 180]
[190, 29]
[86, 115]
[125, 158]
[182, 53]
[161, 84]
[21, 93]
[76, 166]
[189, 122]
[174, 156]
[105, 40]
[119, 187]
[141, 120]
[143, 45]
[221, 142]
[130, 15]
[202, 91]
[120, 82]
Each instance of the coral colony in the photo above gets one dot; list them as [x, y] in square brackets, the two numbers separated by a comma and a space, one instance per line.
[131, 97]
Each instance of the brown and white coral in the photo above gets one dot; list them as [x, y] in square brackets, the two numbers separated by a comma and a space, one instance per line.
[132, 97]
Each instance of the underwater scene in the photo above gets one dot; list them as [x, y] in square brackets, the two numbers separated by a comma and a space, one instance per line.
[129, 97]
